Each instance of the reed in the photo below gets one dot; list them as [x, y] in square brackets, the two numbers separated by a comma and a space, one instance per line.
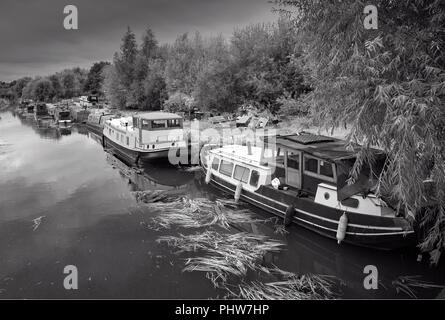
[408, 285]
[192, 213]
[226, 255]
[305, 287]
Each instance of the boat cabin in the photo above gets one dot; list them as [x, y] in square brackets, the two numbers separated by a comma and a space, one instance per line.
[305, 161]
[30, 108]
[151, 130]
[62, 115]
[41, 109]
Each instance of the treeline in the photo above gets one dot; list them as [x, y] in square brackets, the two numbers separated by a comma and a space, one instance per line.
[258, 66]
[66, 84]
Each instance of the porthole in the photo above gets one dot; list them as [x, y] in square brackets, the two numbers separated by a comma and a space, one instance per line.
[326, 195]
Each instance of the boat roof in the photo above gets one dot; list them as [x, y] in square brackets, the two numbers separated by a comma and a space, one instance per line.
[243, 119]
[324, 147]
[240, 153]
[157, 115]
[217, 118]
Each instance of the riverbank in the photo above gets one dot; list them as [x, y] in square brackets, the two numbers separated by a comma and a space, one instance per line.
[290, 125]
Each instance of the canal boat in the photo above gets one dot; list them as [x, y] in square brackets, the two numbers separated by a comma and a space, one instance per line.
[62, 116]
[144, 136]
[41, 112]
[96, 121]
[79, 114]
[22, 108]
[29, 111]
[303, 179]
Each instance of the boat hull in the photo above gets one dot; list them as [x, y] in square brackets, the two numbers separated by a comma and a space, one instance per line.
[383, 233]
[95, 128]
[132, 155]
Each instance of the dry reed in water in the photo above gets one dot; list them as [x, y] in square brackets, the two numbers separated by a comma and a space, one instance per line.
[406, 284]
[226, 255]
[192, 213]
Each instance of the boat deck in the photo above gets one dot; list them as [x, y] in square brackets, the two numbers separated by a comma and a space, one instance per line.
[284, 196]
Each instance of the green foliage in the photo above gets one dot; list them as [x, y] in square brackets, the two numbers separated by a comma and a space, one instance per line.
[136, 78]
[93, 84]
[389, 83]
[43, 90]
[258, 66]
[179, 102]
[8, 91]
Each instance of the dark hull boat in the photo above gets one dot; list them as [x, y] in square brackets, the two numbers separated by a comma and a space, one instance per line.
[385, 233]
[303, 181]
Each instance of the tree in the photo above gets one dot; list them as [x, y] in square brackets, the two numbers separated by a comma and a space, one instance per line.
[43, 90]
[389, 84]
[184, 62]
[57, 86]
[179, 102]
[95, 78]
[217, 86]
[266, 70]
[19, 85]
[125, 66]
[155, 88]
[148, 84]
[126, 58]
[112, 87]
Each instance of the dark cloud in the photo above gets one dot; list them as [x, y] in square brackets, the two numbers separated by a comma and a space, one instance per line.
[34, 41]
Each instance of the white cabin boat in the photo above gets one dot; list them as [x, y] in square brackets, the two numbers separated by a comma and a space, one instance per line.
[303, 180]
[145, 136]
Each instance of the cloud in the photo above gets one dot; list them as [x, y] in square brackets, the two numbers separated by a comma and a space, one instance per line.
[33, 37]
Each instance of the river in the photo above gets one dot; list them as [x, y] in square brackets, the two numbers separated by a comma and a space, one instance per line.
[65, 201]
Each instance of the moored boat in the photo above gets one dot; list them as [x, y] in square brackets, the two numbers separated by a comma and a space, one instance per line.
[96, 121]
[145, 136]
[62, 116]
[41, 112]
[29, 111]
[303, 180]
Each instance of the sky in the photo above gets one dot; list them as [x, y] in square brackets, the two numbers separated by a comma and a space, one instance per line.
[34, 41]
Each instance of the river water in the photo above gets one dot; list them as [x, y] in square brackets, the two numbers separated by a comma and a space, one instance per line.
[65, 201]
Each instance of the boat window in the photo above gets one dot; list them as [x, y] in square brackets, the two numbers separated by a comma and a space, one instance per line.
[311, 164]
[226, 168]
[241, 174]
[128, 141]
[293, 160]
[319, 168]
[254, 178]
[279, 160]
[174, 123]
[215, 164]
[145, 124]
[156, 124]
[350, 202]
[326, 169]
